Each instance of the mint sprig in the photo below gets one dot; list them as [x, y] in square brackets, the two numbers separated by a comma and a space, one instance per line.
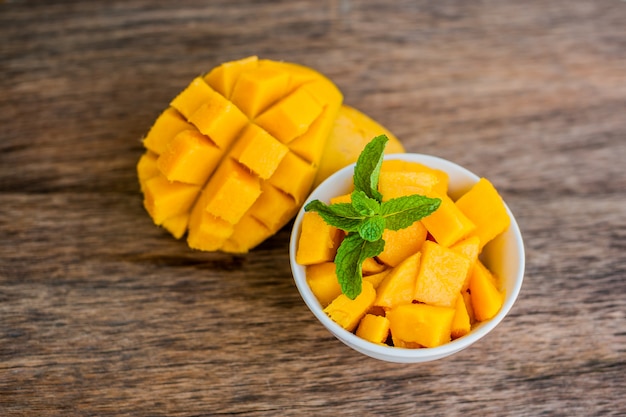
[368, 216]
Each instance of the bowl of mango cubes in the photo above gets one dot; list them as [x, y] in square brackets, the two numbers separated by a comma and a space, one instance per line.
[407, 257]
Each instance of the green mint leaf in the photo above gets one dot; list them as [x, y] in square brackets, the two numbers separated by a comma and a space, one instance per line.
[351, 254]
[367, 169]
[372, 228]
[402, 212]
[342, 215]
[363, 204]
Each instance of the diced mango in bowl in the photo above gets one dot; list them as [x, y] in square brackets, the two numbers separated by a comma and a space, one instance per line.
[428, 286]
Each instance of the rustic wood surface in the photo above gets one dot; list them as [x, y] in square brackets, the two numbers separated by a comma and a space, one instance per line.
[102, 313]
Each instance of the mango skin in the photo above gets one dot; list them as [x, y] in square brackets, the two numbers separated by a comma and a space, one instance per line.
[351, 132]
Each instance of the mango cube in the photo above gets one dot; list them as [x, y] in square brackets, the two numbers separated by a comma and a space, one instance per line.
[166, 126]
[318, 241]
[247, 233]
[259, 151]
[486, 299]
[164, 199]
[257, 89]
[147, 168]
[294, 176]
[484, 207]
[292, 116]
[176, 225]
[398, 184]
[373, 328]
[273, 208]
[322, 279]
[399, 286]
[470, 248]
[461, 324]
[397, 165]
[421, 324]
[223, 77]
[231, 191]
[400, 244]
[447, 224]
[441, 275]
[219, 119]
[190, 158]
[191, 98]
[346, 312]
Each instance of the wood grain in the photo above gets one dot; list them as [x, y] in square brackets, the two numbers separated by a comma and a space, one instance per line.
[102, 313]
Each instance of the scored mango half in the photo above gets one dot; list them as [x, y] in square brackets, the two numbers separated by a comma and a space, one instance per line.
[235, 154]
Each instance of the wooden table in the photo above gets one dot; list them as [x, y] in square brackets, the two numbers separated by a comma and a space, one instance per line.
[102, 313]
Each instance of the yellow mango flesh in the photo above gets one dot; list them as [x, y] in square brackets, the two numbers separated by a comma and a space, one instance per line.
[461, 324]
[400, 244]
[447, 224]
[346, 312]
[484, 207]
[399, 286]
[322, 280]
[373, 328]
[246, 128]
[441, 275]
[423, 324]
[318, 241]
[485, 296]
[352, 130]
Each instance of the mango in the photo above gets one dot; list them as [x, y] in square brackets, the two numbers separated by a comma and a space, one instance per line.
[398, 287]
[461, 323]
[373, 328]
[318, 241]
[423, 324]
[400, 244]
[322, 280]
[441, 275]
[448, 224]
[484, 294]
[484, 207]
[348, 313]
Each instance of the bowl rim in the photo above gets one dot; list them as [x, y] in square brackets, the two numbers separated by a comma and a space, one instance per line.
[391, 353]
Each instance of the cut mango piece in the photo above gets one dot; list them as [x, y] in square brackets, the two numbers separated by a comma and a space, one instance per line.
[177, 225]
[259, 151]
[447, 224]
[223, 77]
[398, 184]
[345, 198]
[190, 158]
[167, 125]
[164, 199]
[486, 299]
[293, 176]
[247, 233]
[400, 244]
[273, 208]
[231, 191]
[322, 279]
[318, 241]
[292, 116]
[351, 131]
[371, 266]
[219, 119]
[376, 279]
[191, 98]
[397, 165]
[256, 90]
[373, 328]
[348, 313]
[147, 168]
[399, 286]
[470, 248]
[484, 207]
[423, 324]
[461, 324]
[441, 275]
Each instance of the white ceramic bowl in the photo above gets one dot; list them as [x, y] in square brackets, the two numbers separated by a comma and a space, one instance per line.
[504, 256]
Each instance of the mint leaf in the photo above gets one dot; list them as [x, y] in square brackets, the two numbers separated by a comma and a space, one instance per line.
[402, 212]
[372, 228]
[367, 169]
[341, 215]
[363, 204]
[351, 254]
